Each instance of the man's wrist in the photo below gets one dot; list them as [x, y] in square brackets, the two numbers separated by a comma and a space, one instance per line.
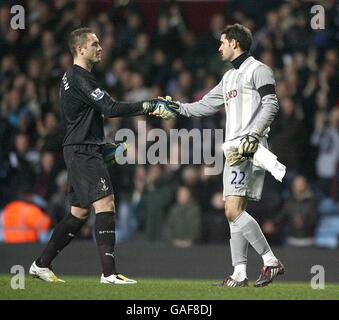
[257, 133]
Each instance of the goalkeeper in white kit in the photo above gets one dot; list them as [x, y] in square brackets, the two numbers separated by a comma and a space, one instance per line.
[247, 92]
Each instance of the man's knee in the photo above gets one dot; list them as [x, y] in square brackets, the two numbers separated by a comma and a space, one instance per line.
[234, 206]
[81, 213]
[104, 204]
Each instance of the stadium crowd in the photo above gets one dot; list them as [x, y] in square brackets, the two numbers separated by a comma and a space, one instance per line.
[144, 59]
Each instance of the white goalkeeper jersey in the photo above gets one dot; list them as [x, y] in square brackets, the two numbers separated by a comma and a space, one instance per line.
[247, 92]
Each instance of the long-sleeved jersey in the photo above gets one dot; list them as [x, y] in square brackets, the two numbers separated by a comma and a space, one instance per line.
[247, 92]
[83, 106]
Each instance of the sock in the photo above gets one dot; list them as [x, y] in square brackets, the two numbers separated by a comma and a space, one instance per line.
[239, 273]
[269, 259]
[105, 238]
[62, 235]
[252, 232]
[239, 247]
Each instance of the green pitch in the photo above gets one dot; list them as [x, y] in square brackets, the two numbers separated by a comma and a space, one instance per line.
[160, 289]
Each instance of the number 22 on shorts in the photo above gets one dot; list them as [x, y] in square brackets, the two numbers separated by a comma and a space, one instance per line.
[238, 178]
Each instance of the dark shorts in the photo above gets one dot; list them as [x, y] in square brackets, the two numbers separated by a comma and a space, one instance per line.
[88, 177]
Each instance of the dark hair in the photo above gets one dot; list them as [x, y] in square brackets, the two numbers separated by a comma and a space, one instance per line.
[239, 33]
[76, 37]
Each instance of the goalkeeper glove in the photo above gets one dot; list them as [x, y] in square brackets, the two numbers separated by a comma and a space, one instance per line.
[249, 144]
[112, 151]
[162, 107]
[233, 158]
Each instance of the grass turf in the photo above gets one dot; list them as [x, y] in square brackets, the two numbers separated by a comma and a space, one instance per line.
[161, 289]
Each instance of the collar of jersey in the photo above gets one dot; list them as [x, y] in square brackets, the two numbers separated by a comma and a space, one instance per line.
[239, 60]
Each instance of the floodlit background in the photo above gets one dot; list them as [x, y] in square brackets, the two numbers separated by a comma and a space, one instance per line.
[153, 48]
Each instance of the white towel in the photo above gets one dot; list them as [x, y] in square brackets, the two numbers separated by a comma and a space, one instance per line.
[264, 159]
[267, 160]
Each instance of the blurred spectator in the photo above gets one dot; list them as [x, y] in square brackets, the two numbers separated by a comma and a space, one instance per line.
[23, 221]
[137, 193]
[184, 85]
[140, 56]
[209, 83]
[215, 228]
[326, 137]
[158, 195]
[16, 110]
[21, 164]
[190, 177]
[166, 35]
[327, 233]
[59, 204]
[210, 40]
[23, 151]
[297, 37]
[288, 136]
[126, 36]
[45, 184]
[160, 67]
[269, 207]
[50, 135]
[190, 49]
[138, 90]
[176, 19]
[183, 225]
[127, 222]
[270, 37]
[300, 213]
[49, 47]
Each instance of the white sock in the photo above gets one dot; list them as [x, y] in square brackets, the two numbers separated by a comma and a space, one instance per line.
[269, 259]
[239, 273]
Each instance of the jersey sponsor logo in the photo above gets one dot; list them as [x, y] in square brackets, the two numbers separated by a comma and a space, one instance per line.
[231, 94]
[97, 94]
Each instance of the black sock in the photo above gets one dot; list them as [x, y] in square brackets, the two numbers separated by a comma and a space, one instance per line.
[105, 238]
[62, 235]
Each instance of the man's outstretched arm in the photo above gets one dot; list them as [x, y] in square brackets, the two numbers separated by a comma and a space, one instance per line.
[208, 105]
[90, 92]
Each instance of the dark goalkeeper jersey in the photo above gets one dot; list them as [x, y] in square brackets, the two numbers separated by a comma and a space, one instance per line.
[83, 106]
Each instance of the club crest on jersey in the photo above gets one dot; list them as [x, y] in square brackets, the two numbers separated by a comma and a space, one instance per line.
[231, 94]
[97, 94]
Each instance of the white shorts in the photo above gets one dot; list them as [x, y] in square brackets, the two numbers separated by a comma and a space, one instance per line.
[244, 180]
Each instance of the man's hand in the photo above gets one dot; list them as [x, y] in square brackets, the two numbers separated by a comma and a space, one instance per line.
[233, 158]
[162, 107]
[112, 151]
[249, 144]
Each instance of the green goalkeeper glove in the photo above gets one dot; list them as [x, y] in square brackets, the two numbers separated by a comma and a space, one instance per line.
[162, 107]
[112, 151]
